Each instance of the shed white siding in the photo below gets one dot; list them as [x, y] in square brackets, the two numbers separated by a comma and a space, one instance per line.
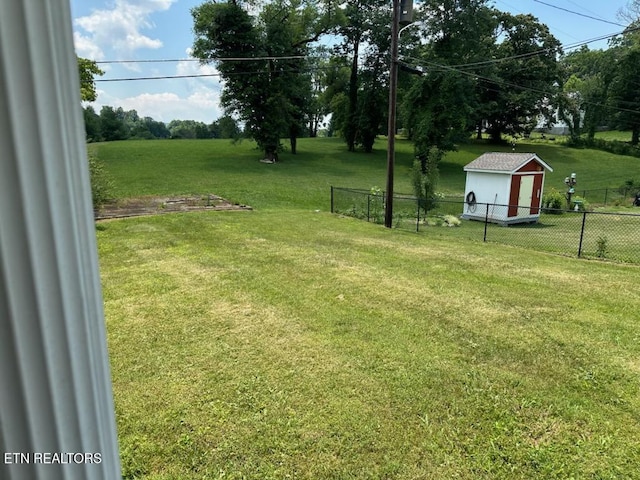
[488, 188]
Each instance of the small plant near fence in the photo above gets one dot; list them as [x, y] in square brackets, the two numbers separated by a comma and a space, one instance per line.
[375, 205]
[601, 247]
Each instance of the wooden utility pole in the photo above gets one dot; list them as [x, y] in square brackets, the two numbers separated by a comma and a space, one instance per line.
[402, 15]
[391, 132]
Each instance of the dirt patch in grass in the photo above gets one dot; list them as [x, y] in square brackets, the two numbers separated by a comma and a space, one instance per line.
[133, 207]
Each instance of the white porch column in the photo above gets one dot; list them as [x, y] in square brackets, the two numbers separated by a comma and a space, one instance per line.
[55, 387]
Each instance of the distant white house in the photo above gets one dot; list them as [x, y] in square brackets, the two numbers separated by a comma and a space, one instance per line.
[504, 188]
[556, 127]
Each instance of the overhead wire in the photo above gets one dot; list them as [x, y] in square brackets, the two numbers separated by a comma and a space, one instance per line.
[459, 67]
[499, 81]
[542, 51]
[219, 59]
[578, 13]
[208, 75]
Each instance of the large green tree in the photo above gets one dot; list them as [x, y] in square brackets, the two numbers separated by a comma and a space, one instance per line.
[519, 86]
[583, 100]
[225, 127]
[113, 124]
[260, 55]
[441, 107]
[360, 109]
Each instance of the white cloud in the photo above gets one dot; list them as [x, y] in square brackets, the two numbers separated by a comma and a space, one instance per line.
[119, 28]
[182, 99]
[202, 106]
[86, 48]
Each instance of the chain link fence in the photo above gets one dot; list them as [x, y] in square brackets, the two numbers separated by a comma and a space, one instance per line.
[609, 196]
[585, 234]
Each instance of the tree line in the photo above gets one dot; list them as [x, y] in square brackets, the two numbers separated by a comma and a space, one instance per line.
[117, 124]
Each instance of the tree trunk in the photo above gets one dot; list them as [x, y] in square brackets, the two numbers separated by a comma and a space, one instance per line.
[314, 121]
[350, 127]
[635, 135]
[495, 135]
[293, 140]
[271, 154]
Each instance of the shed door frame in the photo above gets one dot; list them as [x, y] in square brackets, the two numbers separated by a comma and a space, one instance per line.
[536, 198]
[514, 194]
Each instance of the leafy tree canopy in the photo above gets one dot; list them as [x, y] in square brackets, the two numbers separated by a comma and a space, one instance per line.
[88, 70]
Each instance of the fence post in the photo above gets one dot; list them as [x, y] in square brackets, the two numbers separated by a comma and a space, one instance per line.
[418, 215]
[368, 207]
[584, 220]
[331, 198]
[486, 222]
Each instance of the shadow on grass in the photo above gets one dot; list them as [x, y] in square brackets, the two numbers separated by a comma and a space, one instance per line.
[536, 226]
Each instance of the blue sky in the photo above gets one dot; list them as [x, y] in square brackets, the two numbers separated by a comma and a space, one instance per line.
[108, 30]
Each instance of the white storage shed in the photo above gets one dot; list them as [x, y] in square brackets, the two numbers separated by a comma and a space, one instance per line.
[505, 188]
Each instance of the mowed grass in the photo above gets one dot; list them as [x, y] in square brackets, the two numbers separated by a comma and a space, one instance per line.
[304, 345]
[286, 342]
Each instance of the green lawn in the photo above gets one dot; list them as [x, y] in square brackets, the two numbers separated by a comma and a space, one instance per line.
[287, 342]
[267, 345]
[232, 170]
[614, 135]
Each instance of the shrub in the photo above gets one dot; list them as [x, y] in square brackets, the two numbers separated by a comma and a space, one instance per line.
[424, 177]
[101, 183]
[630, 187]
[553, 201]
[613, 146]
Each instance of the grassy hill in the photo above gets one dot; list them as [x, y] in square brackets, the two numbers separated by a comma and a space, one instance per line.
[303, 180]
[290, 343]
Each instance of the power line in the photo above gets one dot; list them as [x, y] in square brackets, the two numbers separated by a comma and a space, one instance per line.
[578, 13]
[167, 77]
[205, 75]
[166, 60]
[542, 51]
[302, 57]
[583, 8]
[221, 59]
[498, 81]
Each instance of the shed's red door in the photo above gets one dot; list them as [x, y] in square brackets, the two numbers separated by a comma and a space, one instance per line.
[536, 198]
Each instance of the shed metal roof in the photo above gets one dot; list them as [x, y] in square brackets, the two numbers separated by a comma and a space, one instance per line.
[503, 162]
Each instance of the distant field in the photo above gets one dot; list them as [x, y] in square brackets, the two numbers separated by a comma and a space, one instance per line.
[234, 172]
[286, 342]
